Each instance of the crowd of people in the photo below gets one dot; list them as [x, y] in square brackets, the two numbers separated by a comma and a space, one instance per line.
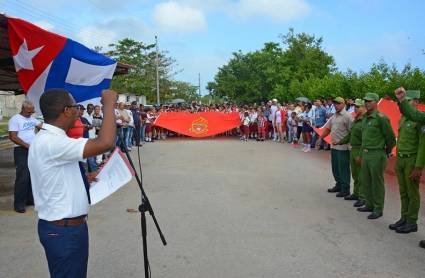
[362, 139]
[290, 122]
[281, 122]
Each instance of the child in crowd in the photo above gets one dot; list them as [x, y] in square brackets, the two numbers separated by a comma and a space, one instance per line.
[245, 126]
[294, 129]
[280, 122]
[160, 132]
[156, 130]
[253, 126]
[150, 117]
[261, 126]
[289, 110]
[300, 121]
[307, 129]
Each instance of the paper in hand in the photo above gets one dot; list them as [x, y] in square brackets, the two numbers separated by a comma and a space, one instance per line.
[115, 174]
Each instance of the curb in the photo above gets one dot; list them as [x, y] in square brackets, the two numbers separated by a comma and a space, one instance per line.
[6, 144]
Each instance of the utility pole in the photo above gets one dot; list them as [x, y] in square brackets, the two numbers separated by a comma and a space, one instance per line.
[157, 72]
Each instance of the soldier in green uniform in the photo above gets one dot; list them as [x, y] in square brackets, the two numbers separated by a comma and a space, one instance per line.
[378, 141]
[355, 140]
[410, 139]
[412, 114]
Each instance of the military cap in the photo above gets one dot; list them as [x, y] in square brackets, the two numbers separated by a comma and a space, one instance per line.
[359, 102]
[371, 97]
[339, 100]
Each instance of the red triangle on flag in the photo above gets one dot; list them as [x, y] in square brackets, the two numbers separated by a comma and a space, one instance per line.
[50, 45]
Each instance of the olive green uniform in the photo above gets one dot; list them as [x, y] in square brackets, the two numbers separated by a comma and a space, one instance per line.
[377, 142]
[410, 138]
[355, 140]
[409, 191]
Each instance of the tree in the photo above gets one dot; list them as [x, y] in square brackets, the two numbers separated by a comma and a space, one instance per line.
[267, 73]
[142, 79]
[298, 66]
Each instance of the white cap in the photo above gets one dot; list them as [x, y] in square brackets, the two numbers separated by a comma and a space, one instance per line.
[275, 100]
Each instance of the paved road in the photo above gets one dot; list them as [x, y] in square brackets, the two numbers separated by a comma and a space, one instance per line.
[231, 209]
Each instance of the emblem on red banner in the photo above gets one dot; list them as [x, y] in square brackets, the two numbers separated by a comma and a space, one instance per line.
[199, 126]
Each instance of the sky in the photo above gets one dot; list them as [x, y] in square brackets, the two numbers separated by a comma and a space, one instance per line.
[202, 35]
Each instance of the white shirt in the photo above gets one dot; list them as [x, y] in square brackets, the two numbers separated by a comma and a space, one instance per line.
[57, 184]
[278, 116]
[117, 114]
[92, 131]
[300, 117]
[149, 118]
[246, 121]
[24, 126]
[131, 123]
[273, 110]
[350, 109]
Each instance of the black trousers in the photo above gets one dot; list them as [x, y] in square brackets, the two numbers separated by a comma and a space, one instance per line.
[23, 192]
[136, 135]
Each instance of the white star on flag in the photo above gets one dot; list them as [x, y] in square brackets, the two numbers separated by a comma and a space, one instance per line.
[23, 59]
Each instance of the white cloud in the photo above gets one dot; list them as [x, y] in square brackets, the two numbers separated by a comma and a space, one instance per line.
[277, 10]
[110, 31]
[45, 25]
[176, 17]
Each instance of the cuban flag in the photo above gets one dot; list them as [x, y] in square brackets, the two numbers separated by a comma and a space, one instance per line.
[45, 60]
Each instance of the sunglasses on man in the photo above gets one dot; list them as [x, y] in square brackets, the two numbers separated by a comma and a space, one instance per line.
[76, 106]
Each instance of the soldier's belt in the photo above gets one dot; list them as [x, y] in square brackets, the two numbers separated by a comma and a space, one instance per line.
[373, 150]
[401, 155]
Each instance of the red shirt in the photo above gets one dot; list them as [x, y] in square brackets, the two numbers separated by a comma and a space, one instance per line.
[77, 131]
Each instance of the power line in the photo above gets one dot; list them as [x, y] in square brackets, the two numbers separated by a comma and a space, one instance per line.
[32, 11]
[32, 8]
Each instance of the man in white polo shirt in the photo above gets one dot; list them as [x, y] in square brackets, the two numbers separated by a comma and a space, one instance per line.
[60, 186]
[21, 132]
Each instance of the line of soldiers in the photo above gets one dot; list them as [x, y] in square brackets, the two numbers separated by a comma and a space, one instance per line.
[371, 141]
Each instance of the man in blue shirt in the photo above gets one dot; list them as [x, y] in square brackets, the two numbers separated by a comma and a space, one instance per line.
[319, 121]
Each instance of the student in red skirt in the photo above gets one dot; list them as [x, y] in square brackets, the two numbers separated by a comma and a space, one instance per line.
[150, 117]
[241, 116]
[280, 123]
[253, 126]
[261, 126]
[245, 126]
[155, 129]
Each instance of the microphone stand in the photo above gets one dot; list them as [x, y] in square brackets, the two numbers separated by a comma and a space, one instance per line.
[144, 207]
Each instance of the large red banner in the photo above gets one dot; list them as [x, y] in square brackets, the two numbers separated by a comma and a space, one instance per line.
[202, 124]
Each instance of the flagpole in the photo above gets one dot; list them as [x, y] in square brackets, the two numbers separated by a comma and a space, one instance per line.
[157, 72]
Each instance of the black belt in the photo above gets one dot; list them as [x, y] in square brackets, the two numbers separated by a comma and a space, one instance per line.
[401, 155]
